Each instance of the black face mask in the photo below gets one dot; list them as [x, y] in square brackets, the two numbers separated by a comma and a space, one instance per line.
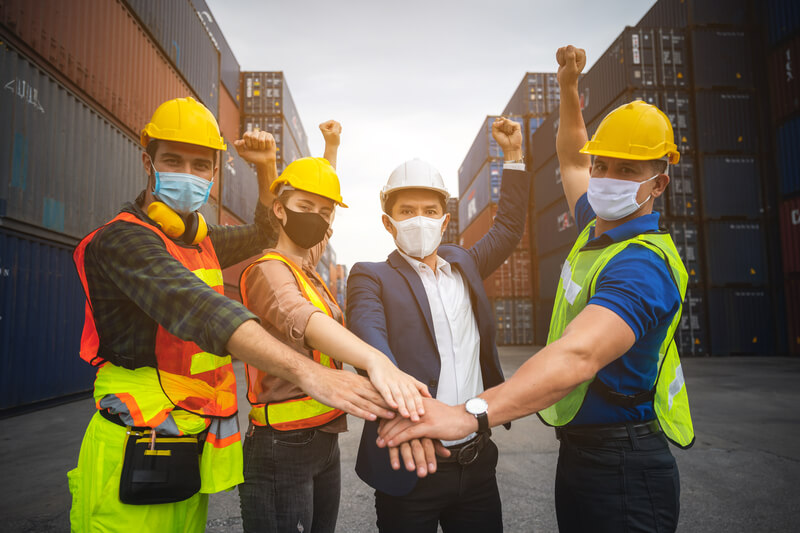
[305, 229]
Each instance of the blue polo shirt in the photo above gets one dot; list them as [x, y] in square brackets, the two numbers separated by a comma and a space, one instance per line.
[636, 285]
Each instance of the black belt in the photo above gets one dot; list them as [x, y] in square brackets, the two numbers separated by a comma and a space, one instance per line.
[116, 419]
[467, 452]
[610, 432]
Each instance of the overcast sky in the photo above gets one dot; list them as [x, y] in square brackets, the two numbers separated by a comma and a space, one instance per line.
[407, 79]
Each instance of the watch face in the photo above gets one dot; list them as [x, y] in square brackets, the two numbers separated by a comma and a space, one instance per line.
[476, 406]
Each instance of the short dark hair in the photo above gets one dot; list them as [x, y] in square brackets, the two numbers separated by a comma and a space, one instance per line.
[392, 199]
[659, 165]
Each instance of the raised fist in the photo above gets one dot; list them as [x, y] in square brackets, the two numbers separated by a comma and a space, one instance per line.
[508, 134]
[571, 62]
[331, 132]
[257, 147]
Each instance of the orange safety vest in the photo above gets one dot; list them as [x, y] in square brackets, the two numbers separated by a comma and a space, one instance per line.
[197, 381]
[303, 412]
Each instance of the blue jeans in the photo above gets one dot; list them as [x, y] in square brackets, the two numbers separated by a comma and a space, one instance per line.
[617, 486]
[292, 481]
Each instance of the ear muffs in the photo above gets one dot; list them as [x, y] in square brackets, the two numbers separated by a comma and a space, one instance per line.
[190, 230]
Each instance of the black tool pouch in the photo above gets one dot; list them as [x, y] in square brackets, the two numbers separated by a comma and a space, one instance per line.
[167, 473]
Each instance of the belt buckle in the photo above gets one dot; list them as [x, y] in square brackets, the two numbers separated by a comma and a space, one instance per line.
[469, 453]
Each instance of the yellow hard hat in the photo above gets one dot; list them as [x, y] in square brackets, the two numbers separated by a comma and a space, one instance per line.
[184, 120]
[638, 131]
[311, 174]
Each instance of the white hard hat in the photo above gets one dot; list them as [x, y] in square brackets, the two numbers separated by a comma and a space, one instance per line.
[414, 174]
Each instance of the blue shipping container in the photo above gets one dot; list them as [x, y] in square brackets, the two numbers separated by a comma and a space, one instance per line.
[722, 58]
[555, 228]
[736, 253]
[239, 185]
[684, 235]
[229, 66]
[485, 190]
[783, 19]
[682, 190]
[41, 319]
[483, 147]
[550, 266]
[731, 187]
[789, 156]
[726, 122]
[547, 186]
[692, 333]
[740, 321]
[533, 95]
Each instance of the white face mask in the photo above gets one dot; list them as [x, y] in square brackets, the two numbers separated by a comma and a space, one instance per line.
[418, 236]
[613, 199]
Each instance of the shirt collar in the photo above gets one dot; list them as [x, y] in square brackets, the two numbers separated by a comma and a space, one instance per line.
[417, 265]
[631, 228]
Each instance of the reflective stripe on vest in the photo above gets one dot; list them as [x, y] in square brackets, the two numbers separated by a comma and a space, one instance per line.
[297, 413]
[191, 378]
[577, 285]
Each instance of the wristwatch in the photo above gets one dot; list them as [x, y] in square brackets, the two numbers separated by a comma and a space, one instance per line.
[478, 408]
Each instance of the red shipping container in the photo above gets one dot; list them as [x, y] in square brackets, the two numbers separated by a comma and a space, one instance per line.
[784, 79]
[232, 274]
[790, 235]
[792, 291]
[98, 46]
[229, 122]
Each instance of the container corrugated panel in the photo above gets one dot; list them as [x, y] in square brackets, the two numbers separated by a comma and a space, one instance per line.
[783, 19]
[293, 121]
[673, 49]
[504, 315]
[722, 59]
[555, 228]
[740, 321]
[288, 150]
[726, 122]
[485, 189]
[682, 189]
[42, 318]
[668, 13]
[789, 156]
[483, 147]
[267, 93]
[240, 186]
[692, 333]
[62, 166]
[102, 50]
[547, 186]
[731, 186]
[231, 275]
[790, 235]
[472, 233]
[228, 65]
[533, 123]
[177, 28]
[229, 118]
[791, 289]
[452, 232]
[735, 253]
[543, 142]
[523, 321]
[714, 13]
[784, 79]
[550, 266]
[684, 235]
[531, 96]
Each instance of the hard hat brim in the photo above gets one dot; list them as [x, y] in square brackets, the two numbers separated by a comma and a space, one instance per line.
[673, 157]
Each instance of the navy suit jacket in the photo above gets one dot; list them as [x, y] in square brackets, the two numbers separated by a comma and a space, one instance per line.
[388, 308]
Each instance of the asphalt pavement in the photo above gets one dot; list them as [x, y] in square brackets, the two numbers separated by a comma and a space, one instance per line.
[743, 473]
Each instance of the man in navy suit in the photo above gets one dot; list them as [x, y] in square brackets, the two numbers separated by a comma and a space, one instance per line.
[425, 307]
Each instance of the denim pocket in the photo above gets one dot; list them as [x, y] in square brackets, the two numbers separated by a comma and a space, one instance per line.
[294, 439]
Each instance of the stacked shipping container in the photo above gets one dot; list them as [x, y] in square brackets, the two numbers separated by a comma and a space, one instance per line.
[451, 233]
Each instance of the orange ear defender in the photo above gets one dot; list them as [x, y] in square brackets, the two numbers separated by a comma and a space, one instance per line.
[191, 229]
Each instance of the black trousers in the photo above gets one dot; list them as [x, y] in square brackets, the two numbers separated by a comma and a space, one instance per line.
[617, 486]
[463, 499]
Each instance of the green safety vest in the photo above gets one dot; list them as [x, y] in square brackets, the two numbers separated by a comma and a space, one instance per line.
[577, 285]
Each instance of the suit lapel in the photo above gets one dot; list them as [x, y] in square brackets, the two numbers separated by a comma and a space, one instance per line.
[417, 289]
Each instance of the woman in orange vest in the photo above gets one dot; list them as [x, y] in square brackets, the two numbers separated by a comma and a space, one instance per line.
[291, 453]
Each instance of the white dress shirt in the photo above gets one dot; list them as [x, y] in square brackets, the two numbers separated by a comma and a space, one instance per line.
[456, 332]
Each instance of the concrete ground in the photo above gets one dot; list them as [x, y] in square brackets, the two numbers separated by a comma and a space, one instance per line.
[743, 473]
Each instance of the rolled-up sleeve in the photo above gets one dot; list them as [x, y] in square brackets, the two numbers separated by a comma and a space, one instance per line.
[274, 296]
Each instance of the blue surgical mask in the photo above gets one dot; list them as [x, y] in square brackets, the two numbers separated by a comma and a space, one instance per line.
[184, 193]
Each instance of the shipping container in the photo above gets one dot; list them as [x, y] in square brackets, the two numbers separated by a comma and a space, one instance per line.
[726, 122]
[740, 322]
[692, 333]
[790, 235]
[523, 321]
[731, 187]
[232, 274]
[543, 142]
[543, 313]
[239, 185]
[537, 94]
[452, 232]
[555, 228]
[483, 148]
[484, 190]
[784, 82]
[722, 59]
[230, 120]
[177, 28]
[503, 315]
[288, 149]
[682, 190]
[791, 291]
[41, 319]
[735, 253]
[267, 93]
[680, 13]
[783, 20]
[789, 156]
[103, 51]
[547, 186]
[687, 241]
[550, 266]
[228, 65]
[666, 13]
[63, 166]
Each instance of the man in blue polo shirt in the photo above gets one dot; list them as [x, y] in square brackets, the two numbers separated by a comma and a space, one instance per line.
[609, 378]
